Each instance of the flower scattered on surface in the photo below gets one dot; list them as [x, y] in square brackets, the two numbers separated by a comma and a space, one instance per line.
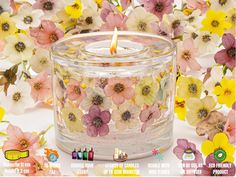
[7, 25]
[180, 108]
[230, 126]
[74, 10]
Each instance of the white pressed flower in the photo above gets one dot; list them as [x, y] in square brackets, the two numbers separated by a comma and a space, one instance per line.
[206, 42]
[40, 61]
[4, 6]
[96, 97]
[141, 20]
[28, 17]
[231, 18]
[194, 19]
[126, 116]
[18, 98]
[18, 48]
[222, 5]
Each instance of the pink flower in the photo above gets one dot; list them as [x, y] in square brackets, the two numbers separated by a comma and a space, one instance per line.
[230, 126]
[119, 89]
[47, 33]
[158, 7]
[162, 29]
[96, 121]
[19, 140]
[197, 4]
[227, 55]
[148, 115]
[108, 8]
[114, 20]
[40, 87]
[186, 55]
[213, 167]
[74, 91]
[184, 147]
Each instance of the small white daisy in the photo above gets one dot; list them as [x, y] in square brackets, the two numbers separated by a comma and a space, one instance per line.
[194, 19]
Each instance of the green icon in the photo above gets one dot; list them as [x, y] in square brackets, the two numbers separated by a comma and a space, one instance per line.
[220, 155]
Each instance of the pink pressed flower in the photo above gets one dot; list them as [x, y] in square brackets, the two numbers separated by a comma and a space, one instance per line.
[158, 7]
[47, 33]
[230, 126]
[215, 168]
[227, 55]
[184, 147]
[19, 140]
[148, 115]
[74, 91]
[197, 4]
[40, 87]
[162, 29]
[108, 8]
[186, 55]
[45, 5]
[119, 89]
[96, 121]
[114, 20]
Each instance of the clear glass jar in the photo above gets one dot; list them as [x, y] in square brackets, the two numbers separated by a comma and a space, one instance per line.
[106, 101]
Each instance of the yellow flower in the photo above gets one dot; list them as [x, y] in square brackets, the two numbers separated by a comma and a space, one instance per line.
[2, 113]
[128, 171]
[145, 91]
[198, 109]
[99, 3]
[180, 108]
[74, 10]
[189, 87]
[220, 147]
[67, 23]
[215, 22]
[72, 117]
[7, 25]
[225, 92]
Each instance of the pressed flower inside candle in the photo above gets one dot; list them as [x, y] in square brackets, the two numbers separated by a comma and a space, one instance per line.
[114, 42]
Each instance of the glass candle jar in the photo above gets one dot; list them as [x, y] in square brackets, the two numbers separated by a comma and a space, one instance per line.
[122, 101]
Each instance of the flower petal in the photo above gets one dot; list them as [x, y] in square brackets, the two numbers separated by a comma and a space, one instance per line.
[103, 130]
[105, 116]
[207, 147]
[228, 40]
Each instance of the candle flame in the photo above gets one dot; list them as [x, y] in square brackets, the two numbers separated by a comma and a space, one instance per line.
[114, 42]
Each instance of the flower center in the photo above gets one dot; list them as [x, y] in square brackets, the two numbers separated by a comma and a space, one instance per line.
[142, 26]
[222, 2]
[43, 61]
[77, 90]
[215, 23]
[23, 144]
[97, 100]
[191, 19]
[126, 115]
[202, 113]
[20, 47]
[89, 20]
[220, 155]
[97, 122]
[227, 92]
[102, 82]
[194, 35]
[233, 18]
[231, 52]
[119, 88]
[180, 103]
[175, 24]
[186, 55]
[37, 86]
[146, 90]
[48, 5]
[72, 117]
[28, 20]
[192, 88]
[76, 6]
[220, 126]
[53, 37]
[206, 38]
[16, 96]
[159, 7]
[5, 26]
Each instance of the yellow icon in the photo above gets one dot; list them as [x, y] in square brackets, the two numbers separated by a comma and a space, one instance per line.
[13, 155]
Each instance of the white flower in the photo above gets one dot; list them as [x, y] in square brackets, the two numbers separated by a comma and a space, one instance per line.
[206, 42]
[222, 5]
[18, 48]
[18, 98]
[126, 116]
[40, 61]
[141, 20]
[4, 6]
[96, 97]
[28, 17]
[194, 19]
[190, 32]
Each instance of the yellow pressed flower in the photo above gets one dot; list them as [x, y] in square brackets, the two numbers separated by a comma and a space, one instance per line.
[7, 25]
[67, 23]
[198, 109]
[220, 147]
[99, 3]
[128, 171]
[2, 113]
[72, 117]
[225, 92]
[215, 22]
[145, 91]
[189, 87]
[180, 108]
[74, 10]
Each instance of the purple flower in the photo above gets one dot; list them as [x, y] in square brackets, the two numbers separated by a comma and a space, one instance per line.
[215, 168]
[96, 121]
[187, 152]
[227, 55]
[158, 7]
